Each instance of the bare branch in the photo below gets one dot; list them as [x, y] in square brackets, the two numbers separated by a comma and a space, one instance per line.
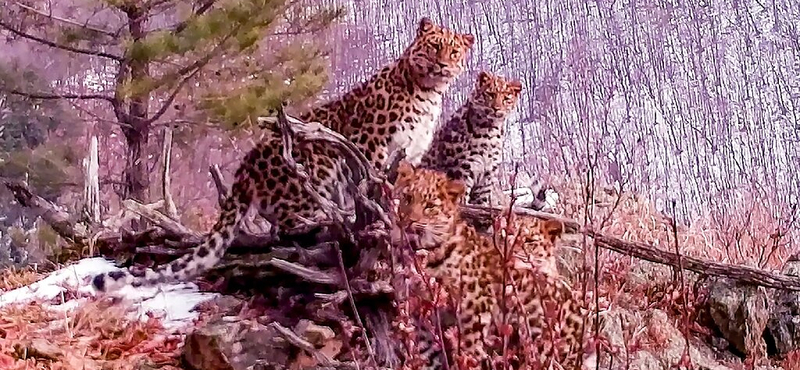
[204, 7]
[62, 96]
[57, 218]
[64, 20]
[59, 46]
[739, 273]
[303, 344]
[159, 219]
[175, 92]
[222, 190]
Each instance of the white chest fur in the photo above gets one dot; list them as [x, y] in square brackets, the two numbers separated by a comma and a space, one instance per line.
[416, 137]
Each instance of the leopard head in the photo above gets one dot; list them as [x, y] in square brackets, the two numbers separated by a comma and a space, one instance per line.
[427, 212]
[496, 95]
[436, 56]
[537, 239]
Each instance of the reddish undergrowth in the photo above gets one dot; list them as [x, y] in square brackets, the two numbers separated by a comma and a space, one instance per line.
[95, 335]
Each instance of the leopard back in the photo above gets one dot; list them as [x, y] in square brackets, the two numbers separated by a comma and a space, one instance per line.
[398, 107]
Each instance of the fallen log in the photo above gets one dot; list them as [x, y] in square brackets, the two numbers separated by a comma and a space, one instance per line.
[745, 274]
[248, 243]
[750, 275]
[61, 221]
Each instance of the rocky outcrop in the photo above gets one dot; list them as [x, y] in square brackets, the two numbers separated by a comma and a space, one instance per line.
[230, 343]
[650, 341]
[783, 329]
[740, 313]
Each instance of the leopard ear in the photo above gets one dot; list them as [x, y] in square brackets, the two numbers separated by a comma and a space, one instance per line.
[404, 170]
[425, 26]
[552, 229]
[515, 87]
[469, 39]
[454, 190]
[484, 78]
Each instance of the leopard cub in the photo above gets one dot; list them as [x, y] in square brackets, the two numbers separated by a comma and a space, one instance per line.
[469, 146]
[510, 275]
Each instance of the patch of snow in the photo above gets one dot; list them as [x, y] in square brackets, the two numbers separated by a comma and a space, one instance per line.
[550, 199]
[526, 198]
[171, 302]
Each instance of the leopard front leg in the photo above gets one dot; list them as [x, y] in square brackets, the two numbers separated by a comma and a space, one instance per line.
[466, 172]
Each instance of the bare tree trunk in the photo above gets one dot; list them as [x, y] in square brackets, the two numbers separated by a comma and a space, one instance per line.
[136, 126]
[166, 180]
[91, 187]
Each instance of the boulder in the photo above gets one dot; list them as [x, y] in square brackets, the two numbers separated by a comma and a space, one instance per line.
[651, 341]
[740, 312]
[783, 328]
[226, 344]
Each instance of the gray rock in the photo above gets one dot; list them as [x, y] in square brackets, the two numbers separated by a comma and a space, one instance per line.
[740, 312]
[651, 357]
[783, 328]
[235, 345]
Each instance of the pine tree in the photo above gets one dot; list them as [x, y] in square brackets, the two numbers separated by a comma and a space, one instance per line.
[232, 59]
[26, 151]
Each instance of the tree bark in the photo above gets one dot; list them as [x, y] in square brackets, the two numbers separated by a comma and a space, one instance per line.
[136, 127]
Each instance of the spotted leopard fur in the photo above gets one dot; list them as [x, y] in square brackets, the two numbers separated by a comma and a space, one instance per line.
[468, 147]
[396, 108]
[471, 268]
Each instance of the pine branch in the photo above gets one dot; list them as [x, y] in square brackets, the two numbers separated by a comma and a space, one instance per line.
[194, 68]
[57, 45]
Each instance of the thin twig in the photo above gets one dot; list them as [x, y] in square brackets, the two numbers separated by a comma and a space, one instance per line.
[64, 20]
[685, 330]
[353, 307]
[57, 45]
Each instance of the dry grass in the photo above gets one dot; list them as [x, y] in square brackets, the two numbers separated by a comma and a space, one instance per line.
[750, 234]
[95, 335]
[13, 278]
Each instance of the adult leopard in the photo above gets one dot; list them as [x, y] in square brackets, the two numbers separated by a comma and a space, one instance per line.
[396, 108]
